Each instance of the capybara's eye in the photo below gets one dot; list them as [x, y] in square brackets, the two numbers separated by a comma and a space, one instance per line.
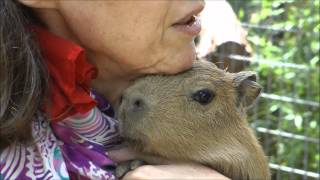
[203, 96]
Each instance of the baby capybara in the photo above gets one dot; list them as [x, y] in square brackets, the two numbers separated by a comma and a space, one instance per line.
[198, 116]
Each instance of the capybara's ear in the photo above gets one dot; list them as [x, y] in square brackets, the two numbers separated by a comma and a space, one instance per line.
[247, 87]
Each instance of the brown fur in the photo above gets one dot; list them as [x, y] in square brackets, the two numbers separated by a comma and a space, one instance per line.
[157, 116]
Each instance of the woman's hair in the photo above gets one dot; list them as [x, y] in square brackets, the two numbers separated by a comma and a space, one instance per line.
[23, 78]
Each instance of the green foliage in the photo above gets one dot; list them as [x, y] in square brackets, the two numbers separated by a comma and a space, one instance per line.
[289, 35]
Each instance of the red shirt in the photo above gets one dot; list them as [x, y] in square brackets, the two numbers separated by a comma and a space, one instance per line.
[70, 75]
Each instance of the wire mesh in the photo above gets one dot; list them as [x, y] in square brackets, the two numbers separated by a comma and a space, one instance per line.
[286, 118]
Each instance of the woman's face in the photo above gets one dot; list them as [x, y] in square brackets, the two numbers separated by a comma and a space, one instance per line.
[135, 37]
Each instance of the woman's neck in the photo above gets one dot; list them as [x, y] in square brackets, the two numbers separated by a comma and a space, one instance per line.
[111, 88]
[111, 80]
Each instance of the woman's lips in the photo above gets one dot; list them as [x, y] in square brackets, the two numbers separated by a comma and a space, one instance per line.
[190, 25]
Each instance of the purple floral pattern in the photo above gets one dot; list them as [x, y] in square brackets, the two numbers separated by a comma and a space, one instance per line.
[75, 148]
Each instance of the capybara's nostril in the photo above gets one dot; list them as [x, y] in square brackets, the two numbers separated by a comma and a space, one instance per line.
[121, 99]
[137, 104]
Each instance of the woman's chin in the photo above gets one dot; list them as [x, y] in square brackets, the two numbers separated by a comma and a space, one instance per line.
[175, 62]
[184, 60]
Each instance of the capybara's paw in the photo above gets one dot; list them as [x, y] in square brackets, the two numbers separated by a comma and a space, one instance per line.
[136, 163]
[127, 166]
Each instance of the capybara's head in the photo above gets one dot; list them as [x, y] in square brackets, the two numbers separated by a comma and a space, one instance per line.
[168, 115]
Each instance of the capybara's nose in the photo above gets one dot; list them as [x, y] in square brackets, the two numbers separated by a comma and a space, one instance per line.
[134, 107]
[121, 99]
[136, 104]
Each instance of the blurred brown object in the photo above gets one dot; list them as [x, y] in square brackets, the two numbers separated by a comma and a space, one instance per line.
[222, 36]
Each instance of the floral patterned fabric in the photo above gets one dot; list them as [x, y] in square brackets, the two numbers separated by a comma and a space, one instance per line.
[75, 148]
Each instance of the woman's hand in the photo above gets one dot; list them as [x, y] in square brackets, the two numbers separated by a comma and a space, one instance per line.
[174, 171]
[170, 170]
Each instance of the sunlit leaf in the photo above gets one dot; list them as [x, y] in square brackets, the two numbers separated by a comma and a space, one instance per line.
[314, 61]
[290, 75]
[298, 121]
[289, 117]
[313, 124]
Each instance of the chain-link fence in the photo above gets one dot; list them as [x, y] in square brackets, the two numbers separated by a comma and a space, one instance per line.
[284, 36]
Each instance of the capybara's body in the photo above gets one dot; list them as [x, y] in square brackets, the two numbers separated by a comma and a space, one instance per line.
[199, 116]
